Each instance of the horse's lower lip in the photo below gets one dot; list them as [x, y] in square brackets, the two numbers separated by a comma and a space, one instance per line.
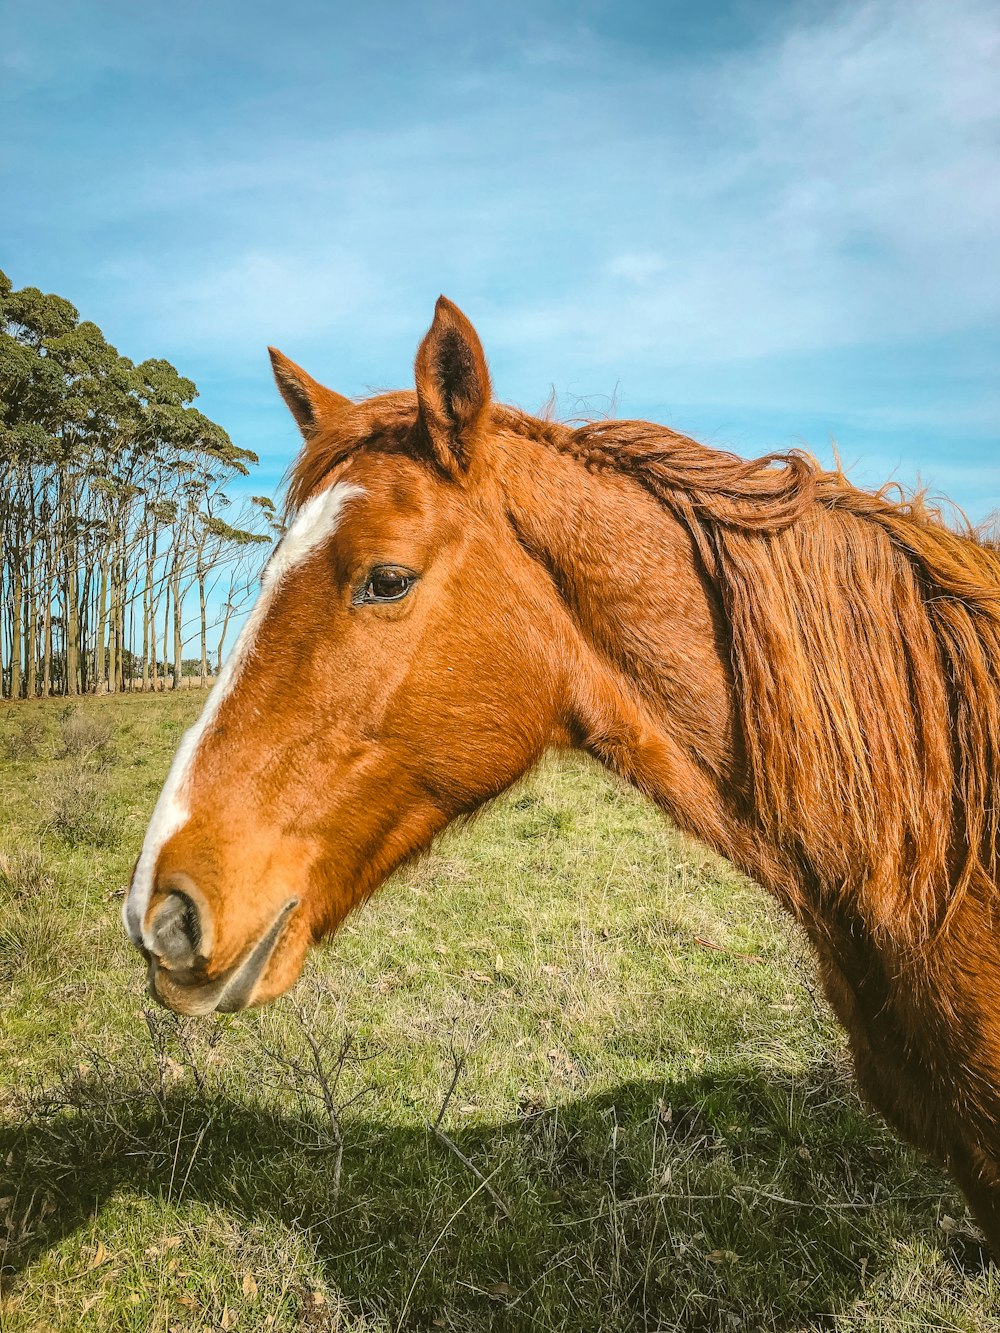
[190, 1001]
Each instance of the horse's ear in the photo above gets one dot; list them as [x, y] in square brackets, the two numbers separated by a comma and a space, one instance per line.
[453, 386]
[308, 401]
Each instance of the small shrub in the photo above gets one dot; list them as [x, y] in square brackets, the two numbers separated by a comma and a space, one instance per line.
[24, 741]
[78, 815]
[24, 876]
[29, 926]
[29, 939]
[87, 738]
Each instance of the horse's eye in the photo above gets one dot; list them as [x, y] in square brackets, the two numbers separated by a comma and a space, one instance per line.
[387, 585]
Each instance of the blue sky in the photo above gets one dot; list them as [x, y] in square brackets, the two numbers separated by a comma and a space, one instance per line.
[763, 223]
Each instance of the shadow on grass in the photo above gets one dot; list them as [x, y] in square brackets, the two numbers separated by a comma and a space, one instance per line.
[696, 1203]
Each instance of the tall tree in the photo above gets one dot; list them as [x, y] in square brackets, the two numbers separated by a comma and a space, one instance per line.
[112, 491]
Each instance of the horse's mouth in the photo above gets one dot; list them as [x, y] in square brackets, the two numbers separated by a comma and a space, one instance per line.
[233, 990]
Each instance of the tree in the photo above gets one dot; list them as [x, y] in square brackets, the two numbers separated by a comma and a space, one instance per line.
[111, 509]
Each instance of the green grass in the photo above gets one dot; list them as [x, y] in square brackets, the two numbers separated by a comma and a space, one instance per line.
[639, 1131]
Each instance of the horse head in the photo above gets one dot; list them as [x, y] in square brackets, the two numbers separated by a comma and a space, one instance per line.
[404, 662]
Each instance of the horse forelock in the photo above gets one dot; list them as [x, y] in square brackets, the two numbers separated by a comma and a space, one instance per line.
[385, 422]
[389, 423]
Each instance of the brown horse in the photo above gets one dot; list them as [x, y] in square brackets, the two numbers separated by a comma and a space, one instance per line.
[800, 673]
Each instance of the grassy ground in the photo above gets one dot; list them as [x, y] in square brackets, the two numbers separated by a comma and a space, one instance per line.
[568, 1073]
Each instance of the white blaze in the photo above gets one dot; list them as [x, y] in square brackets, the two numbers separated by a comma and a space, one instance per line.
[315, 522]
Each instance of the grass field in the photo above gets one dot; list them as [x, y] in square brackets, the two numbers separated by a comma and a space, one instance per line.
[570, 1072]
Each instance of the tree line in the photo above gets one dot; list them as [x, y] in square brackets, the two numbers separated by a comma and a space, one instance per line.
[121, 547]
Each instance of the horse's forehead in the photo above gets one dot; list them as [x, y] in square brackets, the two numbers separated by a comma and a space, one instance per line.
[400, 493]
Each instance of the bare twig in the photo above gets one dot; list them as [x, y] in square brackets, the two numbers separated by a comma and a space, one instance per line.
[323, 1074]
[483, 1181]
[459, 1062]
[799, 1203]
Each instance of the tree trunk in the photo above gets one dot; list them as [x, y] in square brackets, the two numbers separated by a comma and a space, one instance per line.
[72, 633]
[31, 629]
[112, 630]
[166, 629]
[47, 642]
[227, 615]
[178, 644]
[15, 631]
[150, 569]
[120, 625]
[204, 628]
[145, 633]
[100, 657]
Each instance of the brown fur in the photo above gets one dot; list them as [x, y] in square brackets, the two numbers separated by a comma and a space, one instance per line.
[801, 673]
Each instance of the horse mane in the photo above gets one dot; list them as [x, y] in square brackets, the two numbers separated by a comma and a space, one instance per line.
[864, 638]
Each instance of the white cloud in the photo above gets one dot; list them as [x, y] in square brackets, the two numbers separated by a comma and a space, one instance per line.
[843, 190]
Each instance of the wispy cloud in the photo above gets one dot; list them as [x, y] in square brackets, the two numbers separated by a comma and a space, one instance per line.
[805, 222]
[840, 190]
[837, 187]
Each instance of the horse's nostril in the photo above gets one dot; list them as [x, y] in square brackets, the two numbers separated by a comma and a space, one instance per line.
[176, 934]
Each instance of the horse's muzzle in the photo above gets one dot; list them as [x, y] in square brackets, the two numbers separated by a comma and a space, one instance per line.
[187, 992]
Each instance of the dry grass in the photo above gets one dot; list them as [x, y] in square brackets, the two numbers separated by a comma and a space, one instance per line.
[29, 929]
[86, 738]
[78, 810]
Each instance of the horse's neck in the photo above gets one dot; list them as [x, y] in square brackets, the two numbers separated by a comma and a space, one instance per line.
[651, 693]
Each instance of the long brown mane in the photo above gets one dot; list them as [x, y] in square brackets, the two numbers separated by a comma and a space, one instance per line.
[864, 638]
[865, 635]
